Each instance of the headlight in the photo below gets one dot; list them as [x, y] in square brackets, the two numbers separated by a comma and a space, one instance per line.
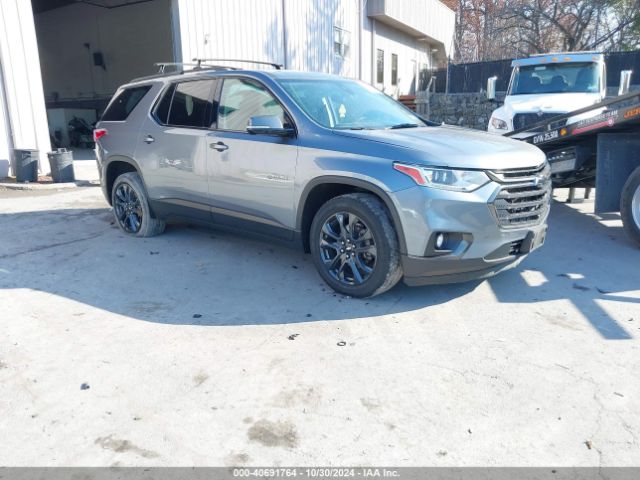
[498, 124]
[444, 178]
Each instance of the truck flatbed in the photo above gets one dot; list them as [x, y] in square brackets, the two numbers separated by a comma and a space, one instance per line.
[596, 146]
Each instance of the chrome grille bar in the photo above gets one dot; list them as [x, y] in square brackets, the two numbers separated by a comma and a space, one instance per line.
[524, 197]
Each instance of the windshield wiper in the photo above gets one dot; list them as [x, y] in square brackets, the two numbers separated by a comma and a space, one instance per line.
[403, 125]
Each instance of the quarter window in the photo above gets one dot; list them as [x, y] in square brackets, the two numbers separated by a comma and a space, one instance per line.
[191, 105]
[242, 99]
[124, 103]
[162, 110]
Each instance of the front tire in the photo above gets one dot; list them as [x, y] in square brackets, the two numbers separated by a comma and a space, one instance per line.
[630, 206]
[131, 207]
[355, 246]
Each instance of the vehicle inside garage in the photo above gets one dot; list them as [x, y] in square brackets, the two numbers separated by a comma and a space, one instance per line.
[87, 49]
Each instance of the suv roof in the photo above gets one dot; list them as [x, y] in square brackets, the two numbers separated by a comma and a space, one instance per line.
[225, 71]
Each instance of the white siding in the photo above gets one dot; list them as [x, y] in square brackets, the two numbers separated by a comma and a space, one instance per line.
[310, 35]
[299, 34]
[428, 18]
[254, 29]
[245, 29]
[22, 77]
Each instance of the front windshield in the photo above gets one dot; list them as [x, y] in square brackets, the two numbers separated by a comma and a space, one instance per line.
[556, 78]
[347, 104]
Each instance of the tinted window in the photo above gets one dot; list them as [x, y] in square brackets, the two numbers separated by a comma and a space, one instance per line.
[162, 109]
[242, 99]
[191, 105]
[124, 103]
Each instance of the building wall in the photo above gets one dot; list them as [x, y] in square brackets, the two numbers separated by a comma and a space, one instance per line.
[22, 80]
[309, 31]
[255, 29]
[428, 18]
[131, 39]
[239, 29]
[299, 34]
[412, 56]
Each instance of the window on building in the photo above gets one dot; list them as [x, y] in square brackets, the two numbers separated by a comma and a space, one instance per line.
[242, 99]
[191, 105]
[380, 66]
[394, 69]
[124, 103]
[341, 42]
[423, 77]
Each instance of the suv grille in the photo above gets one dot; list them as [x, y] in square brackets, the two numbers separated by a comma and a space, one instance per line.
[524, 198]
[524, 120]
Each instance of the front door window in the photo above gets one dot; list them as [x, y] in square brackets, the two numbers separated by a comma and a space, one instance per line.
[242, 99]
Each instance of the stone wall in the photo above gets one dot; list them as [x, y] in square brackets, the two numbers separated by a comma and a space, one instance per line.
[471, 110]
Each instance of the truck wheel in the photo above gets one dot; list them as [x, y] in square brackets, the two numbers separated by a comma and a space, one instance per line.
[630, 206]
[354, 245]
[131, 208]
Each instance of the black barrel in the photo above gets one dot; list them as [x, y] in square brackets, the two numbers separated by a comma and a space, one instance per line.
[26, 165]
[61, 162]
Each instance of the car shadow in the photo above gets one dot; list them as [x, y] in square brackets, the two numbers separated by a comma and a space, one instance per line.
[201, 277]
[587, 261]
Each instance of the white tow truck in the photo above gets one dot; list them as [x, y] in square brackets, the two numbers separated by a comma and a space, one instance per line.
[545, 86]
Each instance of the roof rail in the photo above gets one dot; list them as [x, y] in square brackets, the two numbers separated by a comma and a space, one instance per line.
[200, 61]
[162, 66]
[196, 66]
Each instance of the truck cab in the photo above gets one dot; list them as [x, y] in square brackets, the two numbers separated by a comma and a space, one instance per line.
[544, 86]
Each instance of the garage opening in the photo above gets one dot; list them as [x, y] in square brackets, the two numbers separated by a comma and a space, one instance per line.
[88, 48]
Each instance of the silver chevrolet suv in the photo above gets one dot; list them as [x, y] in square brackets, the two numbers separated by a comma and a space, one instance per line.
[374, 192]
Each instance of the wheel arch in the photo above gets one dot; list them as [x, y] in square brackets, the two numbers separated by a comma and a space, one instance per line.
[116, 166]
[321, 189]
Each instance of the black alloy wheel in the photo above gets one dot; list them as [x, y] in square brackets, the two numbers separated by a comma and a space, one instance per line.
[128, 208]
[347, 248]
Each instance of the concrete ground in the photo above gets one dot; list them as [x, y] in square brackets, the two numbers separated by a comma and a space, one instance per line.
[199, 347]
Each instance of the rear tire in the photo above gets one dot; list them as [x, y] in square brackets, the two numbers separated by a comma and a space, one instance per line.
[630, 206]
[355, 246]
[131, 207]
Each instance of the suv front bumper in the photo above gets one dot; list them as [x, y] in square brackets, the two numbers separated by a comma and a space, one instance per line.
[485, 241]
[447, 269]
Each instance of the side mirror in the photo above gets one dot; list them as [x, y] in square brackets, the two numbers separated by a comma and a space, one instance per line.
[491, 88]
[625, 82]
[268, 125]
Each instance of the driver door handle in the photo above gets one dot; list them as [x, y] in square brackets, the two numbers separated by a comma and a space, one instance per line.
[149, 139]
[219, 146]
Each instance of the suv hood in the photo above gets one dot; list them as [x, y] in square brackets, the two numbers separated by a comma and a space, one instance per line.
[454, 147]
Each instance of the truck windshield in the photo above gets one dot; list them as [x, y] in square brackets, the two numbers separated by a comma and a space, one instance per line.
[556, 78]
[347, 104]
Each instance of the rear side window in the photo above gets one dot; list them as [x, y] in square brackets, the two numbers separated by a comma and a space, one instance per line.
[191, 105]
[124, 103]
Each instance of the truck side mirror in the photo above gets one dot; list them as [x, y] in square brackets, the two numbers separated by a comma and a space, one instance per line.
[625, 82]
[491, 88]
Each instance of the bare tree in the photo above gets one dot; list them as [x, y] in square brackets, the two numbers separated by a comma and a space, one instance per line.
[495, 29]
